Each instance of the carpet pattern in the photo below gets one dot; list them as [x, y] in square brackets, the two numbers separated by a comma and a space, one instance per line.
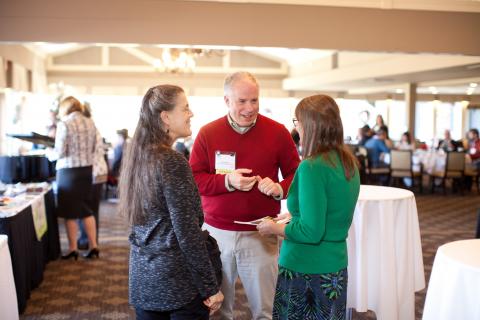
[98, 289]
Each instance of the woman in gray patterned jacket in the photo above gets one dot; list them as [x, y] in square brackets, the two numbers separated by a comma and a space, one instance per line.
[171, 275]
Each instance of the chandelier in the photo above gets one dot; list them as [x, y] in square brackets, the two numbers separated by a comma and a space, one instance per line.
[182, 60]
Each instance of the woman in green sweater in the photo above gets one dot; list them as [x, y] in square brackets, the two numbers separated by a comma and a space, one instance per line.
[312, 280]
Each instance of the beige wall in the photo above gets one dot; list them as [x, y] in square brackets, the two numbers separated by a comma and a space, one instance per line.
[208, 23]
[24, 62]
[19, 55]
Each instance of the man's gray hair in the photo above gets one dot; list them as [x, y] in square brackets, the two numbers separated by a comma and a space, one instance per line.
[240, 75]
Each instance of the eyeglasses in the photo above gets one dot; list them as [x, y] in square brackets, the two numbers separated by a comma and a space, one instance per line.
[295, 122]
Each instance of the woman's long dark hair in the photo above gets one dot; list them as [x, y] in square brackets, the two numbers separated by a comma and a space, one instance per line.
[140, 157]
[323, 131]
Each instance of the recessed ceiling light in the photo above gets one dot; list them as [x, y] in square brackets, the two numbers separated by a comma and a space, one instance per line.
[470, 91]
[473, 84]
[398, 90]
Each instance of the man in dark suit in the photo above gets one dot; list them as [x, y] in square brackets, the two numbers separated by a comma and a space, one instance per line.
[448, 144]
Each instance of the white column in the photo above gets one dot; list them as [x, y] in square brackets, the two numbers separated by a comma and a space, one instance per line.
[410, 106]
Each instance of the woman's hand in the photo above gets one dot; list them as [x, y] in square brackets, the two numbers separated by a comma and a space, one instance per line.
[214, 302]
[283, 217]
[268, 226]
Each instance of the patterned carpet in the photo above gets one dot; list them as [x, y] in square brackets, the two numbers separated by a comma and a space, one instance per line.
[98, 289]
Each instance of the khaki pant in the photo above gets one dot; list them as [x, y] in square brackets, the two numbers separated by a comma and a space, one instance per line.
[253, 258]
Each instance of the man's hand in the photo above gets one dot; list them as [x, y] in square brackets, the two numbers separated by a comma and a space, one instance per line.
[269, 187]
[214, 302]
[239, 182]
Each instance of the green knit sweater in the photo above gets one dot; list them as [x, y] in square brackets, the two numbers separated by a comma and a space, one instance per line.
[321, 201]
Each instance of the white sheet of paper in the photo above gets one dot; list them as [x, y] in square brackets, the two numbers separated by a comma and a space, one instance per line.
[258, 221]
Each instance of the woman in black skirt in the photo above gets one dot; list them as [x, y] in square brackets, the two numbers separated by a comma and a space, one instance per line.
[75, 144]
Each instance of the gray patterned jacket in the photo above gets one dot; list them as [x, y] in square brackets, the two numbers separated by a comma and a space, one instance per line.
[75, 141]
[169, 262]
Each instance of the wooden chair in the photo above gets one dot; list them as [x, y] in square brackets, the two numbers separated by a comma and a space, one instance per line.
[475, 176]
[352, 148]
[454, 170]
[361, 155]
[374, 174]
[401, 166]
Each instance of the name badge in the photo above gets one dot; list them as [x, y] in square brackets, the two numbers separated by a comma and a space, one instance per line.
[224, 162]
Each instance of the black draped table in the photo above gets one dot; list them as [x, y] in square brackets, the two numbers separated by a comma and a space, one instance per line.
[25, 168]
[29, 256]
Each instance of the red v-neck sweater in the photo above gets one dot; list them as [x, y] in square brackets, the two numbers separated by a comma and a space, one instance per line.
[265, 148]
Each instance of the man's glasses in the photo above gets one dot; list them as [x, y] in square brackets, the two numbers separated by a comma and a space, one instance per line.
[295, 122]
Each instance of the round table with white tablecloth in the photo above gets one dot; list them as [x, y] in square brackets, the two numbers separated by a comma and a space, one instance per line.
[8, 300]
[454, 287]
[385, 262]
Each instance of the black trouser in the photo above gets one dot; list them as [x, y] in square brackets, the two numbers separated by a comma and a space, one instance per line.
[194, 310]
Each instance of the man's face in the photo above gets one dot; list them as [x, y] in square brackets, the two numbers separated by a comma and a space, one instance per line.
[446, 134]
[472, 135]
[242, 102]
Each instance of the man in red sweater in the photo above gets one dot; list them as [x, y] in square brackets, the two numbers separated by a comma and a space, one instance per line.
[235, 161]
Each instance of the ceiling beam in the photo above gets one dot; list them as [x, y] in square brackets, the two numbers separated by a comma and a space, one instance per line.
[143, 56]
[381, 67]
[150, 69]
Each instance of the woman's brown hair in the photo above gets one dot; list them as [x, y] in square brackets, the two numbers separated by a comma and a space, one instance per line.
[322, 126]
[71, 104]
[141, 155]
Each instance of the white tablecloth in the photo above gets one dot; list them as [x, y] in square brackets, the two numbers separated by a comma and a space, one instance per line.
[8, 295]
[432, 161]
[454, 287]
[385, 254]
[435, 161]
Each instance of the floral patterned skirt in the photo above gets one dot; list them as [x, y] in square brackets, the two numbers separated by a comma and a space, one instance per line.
[310, 296]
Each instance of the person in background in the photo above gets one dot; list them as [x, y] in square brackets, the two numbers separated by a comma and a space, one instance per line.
[75, 145]
[312, 281]
[388, 141]
[473, 151]
[405, 142]
[377, 148]
[118, 150]
[364, 134]
[474, 147]
[296, 139]
[182, 148]
[171, 274]
[236, 161]
[99, 178]
[447, 144]
[379, 124]
[52, 127]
